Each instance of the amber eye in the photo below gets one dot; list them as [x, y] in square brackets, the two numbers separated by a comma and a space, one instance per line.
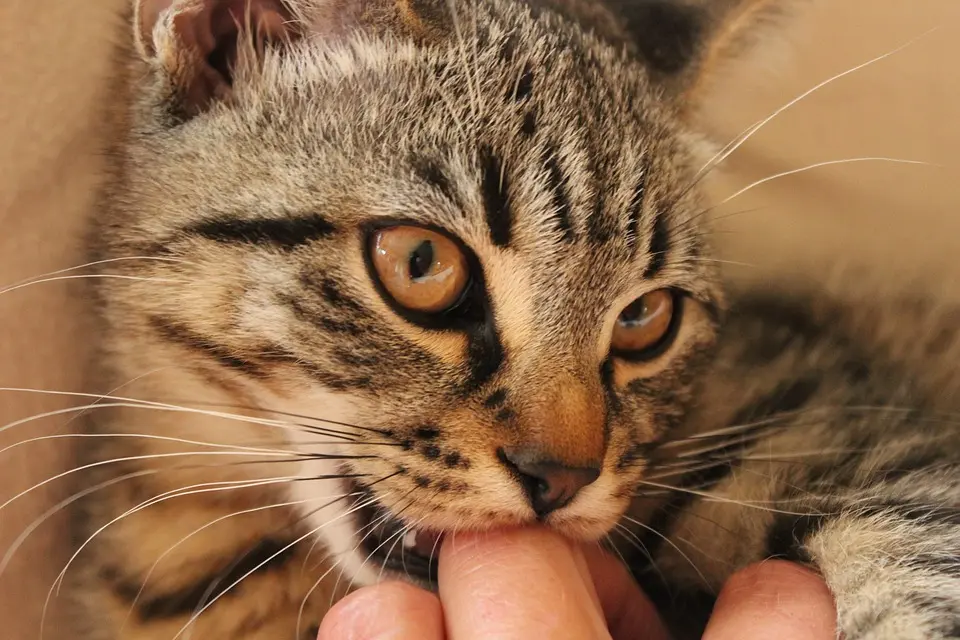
[646, 323]
[420, 269]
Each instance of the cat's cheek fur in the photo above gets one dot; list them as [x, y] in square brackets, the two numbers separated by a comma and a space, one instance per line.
[333, 521]
[326, 499]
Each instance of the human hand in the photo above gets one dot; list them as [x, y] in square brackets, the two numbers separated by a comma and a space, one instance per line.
[533, 584]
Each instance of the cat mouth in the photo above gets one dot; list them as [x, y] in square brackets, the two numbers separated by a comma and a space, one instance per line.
[394, 544]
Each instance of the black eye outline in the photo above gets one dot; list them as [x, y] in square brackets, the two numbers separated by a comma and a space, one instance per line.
[466, 313]
[660, 347]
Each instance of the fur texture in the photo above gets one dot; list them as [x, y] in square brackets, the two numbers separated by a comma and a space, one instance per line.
[551, 140]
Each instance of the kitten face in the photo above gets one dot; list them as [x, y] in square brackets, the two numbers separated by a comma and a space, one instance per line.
[560, 189]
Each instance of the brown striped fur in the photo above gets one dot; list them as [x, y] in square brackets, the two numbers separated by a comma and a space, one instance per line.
[551, 139]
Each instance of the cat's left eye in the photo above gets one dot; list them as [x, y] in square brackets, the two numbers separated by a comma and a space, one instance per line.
[422, 270]
[647, 325]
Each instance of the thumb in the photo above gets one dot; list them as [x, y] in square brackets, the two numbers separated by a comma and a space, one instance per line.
[774, 599]
[518, 584]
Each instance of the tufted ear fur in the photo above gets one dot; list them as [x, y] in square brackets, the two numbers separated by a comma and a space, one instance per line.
[419, 19]
[684, 42]
[196, 45]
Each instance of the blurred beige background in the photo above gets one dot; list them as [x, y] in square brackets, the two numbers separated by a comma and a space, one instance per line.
[901, 220]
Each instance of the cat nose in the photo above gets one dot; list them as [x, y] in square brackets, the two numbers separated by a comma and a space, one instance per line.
[550, 485]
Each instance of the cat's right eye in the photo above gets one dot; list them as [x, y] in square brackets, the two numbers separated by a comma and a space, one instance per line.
[422, 270]
[647, 325]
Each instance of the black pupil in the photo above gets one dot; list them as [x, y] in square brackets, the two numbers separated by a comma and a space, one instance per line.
[634, 314]
[421, 260]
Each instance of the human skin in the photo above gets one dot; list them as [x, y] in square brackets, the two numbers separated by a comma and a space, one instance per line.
[531, 583]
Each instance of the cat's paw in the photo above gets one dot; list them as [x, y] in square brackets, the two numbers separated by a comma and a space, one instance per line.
[917, 616]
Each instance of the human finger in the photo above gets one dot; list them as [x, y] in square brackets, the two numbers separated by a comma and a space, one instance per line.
[629, 614]
[774, 599]
[388, 611]
[524, 583]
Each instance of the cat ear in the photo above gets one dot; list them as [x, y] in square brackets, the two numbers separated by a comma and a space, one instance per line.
[685, 42]
[196, 45]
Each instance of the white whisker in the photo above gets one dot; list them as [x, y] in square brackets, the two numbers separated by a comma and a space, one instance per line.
[313, 588]
[66, 502]
[818, 165]
[175, 493]
[144, 436]
[103, 276]
[388, 513]
[403, 550]
[710, 497]
[148, 404]
[745, 135]
[433, 551]
[672, 544]
[153, 456]
[312, 532]
[50, 274]
[370, 528]
[212, 523]
[194, 489]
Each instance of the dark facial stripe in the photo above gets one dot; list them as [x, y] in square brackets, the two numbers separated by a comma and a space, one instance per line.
[431, 173]
[284, 233]
[356, 382]
[269, 553]
[600, 229]
[177, 333]
[786, 397]
[524, 87]
[606, 376]
[659, 246]
[496, 399]
[529, 126]
[597, 229]
[316, 317]
[635, 211]
[484, 355]
[557, 183]
[329, 288]
[496, 197]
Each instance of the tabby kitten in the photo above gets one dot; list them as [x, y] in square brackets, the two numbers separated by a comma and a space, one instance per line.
[391, 269]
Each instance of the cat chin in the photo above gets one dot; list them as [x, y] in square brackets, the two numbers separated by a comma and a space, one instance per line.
[364, 544]
[367, 544]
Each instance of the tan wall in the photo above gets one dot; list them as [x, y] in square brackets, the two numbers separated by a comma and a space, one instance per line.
[899, 218]
[903, 219]
[53, 57]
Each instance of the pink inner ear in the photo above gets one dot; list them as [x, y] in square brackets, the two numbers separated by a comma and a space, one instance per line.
[207, 39]
[210, 25]
[267, 20]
